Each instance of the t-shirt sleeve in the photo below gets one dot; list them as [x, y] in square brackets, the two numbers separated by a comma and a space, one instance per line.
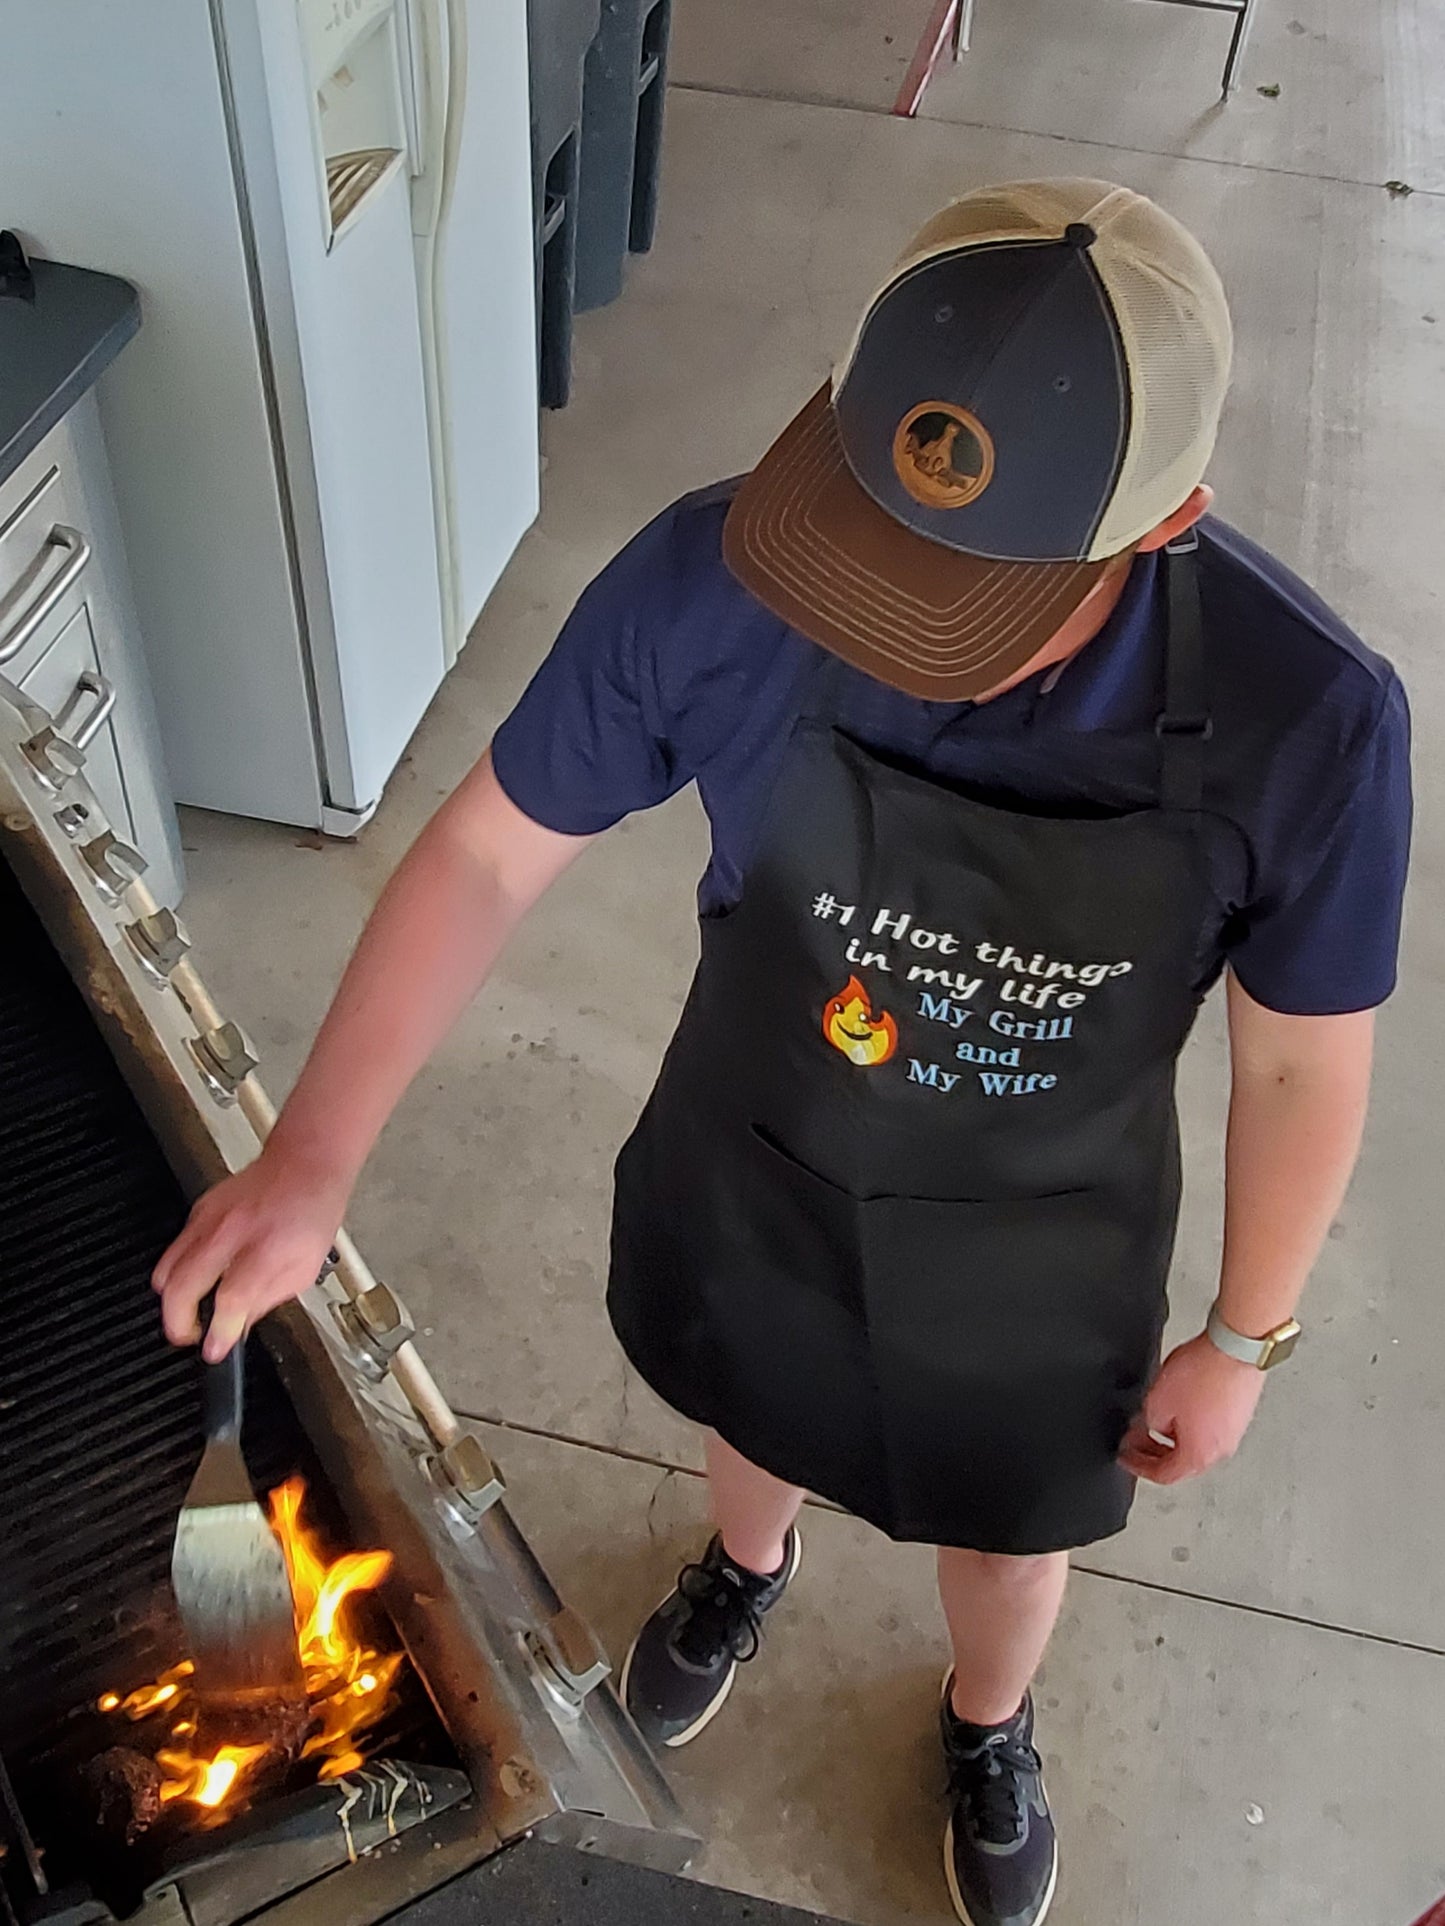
[587, 744]
[1327, 942]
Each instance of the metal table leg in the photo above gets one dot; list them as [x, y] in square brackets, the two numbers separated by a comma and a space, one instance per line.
[1239, 40]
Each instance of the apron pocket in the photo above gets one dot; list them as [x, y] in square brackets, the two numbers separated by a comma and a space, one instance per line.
[1011, 1343]
[735, 1292]
[776, 1258]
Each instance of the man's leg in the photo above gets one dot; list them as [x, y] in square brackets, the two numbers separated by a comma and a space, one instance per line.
[751, 1508]
[683, 1661]
[1000, 1613]
[999, 1851]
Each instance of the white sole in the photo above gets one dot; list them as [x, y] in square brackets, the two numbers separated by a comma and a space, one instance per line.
[952, 1877]
[700, 1725]
[957, 1897]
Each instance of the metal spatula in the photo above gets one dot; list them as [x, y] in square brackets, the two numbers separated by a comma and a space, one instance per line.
[228, 1571]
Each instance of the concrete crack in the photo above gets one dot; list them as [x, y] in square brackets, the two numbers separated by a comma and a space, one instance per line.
[657, 1491]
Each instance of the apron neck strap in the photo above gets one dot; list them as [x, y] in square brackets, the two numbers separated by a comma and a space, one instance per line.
[1185, 724]
[822, 684]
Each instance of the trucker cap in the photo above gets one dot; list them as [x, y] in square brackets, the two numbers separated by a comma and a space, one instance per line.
[1035, 387]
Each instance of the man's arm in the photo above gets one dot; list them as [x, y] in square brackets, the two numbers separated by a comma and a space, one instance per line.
[1296, 1113]
[1297, 1109]
[441, 922]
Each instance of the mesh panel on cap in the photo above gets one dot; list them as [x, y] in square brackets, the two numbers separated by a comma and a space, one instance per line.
[1015, 212]
[985, 216]
[1174, 323]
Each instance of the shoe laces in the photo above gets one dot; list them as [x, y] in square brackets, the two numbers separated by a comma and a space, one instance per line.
[719, 1616]
[987, 1782]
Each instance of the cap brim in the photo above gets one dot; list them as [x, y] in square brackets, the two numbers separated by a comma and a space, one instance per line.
[814, 547]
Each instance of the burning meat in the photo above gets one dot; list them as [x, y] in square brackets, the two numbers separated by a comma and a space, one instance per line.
[279, 1723]
[124, 1793]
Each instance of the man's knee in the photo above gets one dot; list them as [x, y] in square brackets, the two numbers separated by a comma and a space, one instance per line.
[1006, 1571]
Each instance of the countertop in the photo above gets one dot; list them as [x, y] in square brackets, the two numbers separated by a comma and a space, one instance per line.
[54, 348]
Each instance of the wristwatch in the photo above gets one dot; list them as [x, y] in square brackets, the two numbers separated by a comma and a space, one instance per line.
[1262, 1352]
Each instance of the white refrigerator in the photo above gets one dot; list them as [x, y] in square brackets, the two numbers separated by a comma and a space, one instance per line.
[324, 439]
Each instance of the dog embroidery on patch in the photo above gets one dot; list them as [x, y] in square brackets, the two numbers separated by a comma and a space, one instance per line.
[943, 455]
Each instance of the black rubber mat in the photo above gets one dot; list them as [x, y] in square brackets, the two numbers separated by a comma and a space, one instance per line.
[544, 1885]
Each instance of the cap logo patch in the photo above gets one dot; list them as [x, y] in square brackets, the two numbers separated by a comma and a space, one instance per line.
[943, 455]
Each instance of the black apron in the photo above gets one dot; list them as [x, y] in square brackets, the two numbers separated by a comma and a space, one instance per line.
[897, 1219]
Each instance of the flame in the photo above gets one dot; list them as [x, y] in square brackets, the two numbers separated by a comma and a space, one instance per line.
[348, 1682]
[146, 1699]
[208, 1782]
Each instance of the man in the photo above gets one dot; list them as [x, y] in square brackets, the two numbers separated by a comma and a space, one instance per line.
[1006, 762]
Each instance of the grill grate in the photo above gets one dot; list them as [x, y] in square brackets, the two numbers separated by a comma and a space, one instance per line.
[99, 1417]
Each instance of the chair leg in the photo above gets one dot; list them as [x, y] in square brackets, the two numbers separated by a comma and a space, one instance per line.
[1239, 40]
[962, 28]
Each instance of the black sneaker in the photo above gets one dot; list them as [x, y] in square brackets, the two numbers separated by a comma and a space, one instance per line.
[999, 1853]
[683, 1661]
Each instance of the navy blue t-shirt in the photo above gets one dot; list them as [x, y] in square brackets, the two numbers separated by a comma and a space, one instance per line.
[670, 672]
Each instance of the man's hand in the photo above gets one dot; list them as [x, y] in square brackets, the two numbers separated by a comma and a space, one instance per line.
[473, 872]
[260, 1237]
[1204, 1401]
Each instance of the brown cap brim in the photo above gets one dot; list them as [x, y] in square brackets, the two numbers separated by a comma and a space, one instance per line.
[817, 550]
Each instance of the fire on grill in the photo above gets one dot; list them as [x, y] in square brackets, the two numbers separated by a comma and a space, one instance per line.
[125, 1793]
[212, 1756]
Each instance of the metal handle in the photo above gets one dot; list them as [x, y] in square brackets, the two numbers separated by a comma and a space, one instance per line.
[20, 615]
[223, 1395]
[91, 683]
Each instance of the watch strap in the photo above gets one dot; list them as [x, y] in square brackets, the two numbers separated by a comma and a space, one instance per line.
[1246, 1350]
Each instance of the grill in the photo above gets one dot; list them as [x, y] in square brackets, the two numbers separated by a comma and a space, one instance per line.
[122, 1090]
[99, 1423]
[101, 1417]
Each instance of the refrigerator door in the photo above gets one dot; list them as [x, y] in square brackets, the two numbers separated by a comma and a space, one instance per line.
[115, 152]
[472, 214]
[342, 174]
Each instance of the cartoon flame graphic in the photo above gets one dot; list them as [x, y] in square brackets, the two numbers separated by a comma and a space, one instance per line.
[850, 1026]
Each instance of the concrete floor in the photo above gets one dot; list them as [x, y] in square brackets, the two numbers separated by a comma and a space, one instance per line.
[1269, 1640]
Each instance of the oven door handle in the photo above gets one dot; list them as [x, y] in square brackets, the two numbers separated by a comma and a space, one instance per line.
[38, 590]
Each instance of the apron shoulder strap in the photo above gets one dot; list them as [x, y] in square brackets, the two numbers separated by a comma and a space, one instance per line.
[1185, 724]
[821, 686]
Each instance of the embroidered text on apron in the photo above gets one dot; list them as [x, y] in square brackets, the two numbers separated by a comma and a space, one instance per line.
[897, 1219]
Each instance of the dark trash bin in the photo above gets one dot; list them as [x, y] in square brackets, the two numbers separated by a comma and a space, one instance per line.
[559, 33]
[625, 85]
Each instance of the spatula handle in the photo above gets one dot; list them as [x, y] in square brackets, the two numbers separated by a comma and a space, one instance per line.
[223, 1388]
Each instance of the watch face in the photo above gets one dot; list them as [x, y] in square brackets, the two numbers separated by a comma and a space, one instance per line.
[1282, 1346]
